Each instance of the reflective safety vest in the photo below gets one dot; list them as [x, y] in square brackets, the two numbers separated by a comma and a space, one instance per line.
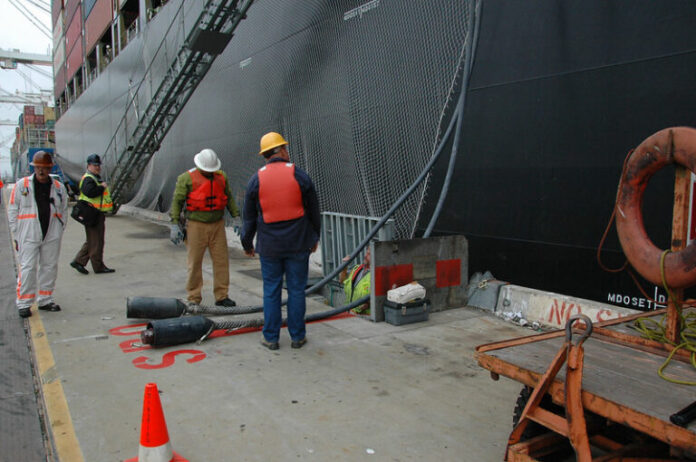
[102, 203]
[207, 194]
[279, 193]
[356, 286]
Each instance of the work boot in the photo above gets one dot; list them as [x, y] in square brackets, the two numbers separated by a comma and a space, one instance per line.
[270, 345]
[299, 343]
[24, 312]
[50, 307]
[79, 267]
[105, 270]
[226, 302]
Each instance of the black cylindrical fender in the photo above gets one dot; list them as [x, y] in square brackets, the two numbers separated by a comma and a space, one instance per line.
[154, 307]
[175, 331]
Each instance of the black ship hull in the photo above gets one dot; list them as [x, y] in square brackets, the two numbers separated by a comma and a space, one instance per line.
[557, 95]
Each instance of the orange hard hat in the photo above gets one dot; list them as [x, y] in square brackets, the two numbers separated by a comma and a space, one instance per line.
[42, 159]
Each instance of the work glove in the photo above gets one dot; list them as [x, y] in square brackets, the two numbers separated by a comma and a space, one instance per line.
[176, 235]
[237, 226]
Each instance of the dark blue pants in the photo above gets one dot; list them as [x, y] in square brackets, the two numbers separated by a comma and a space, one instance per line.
[295, 268]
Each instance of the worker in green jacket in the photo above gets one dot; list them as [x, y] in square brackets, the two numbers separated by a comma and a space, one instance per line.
[203, 193]
[356, 284]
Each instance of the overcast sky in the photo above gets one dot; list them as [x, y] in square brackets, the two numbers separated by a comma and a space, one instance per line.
[18, 32]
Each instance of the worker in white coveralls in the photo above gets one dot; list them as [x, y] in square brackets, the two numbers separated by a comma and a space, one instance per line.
[36, 211]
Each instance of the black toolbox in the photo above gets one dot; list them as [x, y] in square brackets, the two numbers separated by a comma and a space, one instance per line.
[406, 313]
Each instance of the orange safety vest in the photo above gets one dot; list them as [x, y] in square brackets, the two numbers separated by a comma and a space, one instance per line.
[279, 193]
[207, 194]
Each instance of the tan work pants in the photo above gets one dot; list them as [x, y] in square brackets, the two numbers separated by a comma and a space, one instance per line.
[201, 236]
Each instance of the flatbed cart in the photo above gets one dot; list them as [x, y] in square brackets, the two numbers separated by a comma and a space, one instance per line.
[626, 404]
[608, 402]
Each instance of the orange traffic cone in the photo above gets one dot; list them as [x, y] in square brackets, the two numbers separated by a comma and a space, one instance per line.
[154, 439]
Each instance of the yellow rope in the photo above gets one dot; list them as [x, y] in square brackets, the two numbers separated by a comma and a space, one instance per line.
[654, 330]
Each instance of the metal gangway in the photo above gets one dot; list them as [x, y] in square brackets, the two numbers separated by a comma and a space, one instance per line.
[134, 146]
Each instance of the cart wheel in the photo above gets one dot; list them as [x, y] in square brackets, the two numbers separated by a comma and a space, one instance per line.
[533, 429]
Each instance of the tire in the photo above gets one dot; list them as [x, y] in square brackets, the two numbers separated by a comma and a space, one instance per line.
[533, 429]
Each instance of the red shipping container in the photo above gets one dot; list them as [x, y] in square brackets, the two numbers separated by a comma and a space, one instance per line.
[74, 62]
[29, 110]
[97, 22]
[59, 82]
[59, 54]
[58, 29]
[39, 119]
[73, 32]
[56, 10]
[71, 7]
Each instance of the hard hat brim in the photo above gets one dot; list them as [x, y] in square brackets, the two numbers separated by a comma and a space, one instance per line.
[272, 147]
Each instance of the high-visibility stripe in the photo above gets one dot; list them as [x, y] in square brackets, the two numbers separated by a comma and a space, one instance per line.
[12, 196]
[19, 288]
[45, 292]
[26, 215]
[58, 215]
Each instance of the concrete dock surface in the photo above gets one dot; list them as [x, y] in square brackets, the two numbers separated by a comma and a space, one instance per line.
[357, 390]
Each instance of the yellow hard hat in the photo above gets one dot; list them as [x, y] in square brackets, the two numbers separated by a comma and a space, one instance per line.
[271, 140]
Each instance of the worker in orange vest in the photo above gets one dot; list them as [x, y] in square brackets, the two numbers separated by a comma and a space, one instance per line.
[282, 210]
[203, 193]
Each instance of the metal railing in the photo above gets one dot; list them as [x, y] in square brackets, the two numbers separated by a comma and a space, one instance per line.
[341, 233]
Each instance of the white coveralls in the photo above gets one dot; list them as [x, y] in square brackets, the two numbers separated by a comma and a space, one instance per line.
[37, 254]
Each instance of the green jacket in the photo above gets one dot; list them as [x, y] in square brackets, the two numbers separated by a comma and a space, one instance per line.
[181, 191]
[357, 289]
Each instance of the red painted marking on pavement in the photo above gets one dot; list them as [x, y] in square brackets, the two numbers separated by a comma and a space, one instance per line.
[449, 273]
[387, 277]
[168, 359]
[120, 329]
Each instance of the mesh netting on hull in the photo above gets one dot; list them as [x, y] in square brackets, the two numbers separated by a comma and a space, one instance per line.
[361, 91]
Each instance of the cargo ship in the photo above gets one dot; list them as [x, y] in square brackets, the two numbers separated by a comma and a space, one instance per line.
[553, 96]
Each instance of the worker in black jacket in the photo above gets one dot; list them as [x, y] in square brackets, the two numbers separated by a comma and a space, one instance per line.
[95, 192]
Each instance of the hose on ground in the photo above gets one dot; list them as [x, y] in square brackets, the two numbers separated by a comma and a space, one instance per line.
[230, 326]
[222, 310]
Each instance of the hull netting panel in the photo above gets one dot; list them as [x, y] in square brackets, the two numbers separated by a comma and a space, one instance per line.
[357, 88]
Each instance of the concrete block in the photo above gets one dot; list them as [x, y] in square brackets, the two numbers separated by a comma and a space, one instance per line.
[440, 264]
[483, 290]
[525, 305]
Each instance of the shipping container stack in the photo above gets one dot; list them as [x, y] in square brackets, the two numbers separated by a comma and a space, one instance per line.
[87, 36]
[35, 129]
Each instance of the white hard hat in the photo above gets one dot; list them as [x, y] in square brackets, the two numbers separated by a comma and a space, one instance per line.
[207, 161]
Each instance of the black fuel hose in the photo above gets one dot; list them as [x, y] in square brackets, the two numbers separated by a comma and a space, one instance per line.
[176, 331]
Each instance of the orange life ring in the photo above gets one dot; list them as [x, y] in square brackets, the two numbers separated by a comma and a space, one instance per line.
[668, 146]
